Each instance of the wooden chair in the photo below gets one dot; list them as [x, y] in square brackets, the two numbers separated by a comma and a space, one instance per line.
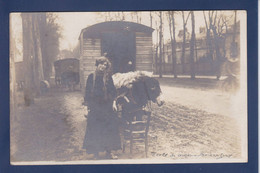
[135, 130]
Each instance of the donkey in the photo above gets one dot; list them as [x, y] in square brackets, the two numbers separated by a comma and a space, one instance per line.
[137, 92]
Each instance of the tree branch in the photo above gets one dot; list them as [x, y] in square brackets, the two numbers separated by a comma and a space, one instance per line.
[205, 20]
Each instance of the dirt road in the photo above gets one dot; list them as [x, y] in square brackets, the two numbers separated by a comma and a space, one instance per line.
[187, 126]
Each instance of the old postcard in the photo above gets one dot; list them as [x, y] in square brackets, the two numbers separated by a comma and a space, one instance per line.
[135, 87]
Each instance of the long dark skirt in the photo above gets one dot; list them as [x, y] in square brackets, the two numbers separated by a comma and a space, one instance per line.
[102, 131]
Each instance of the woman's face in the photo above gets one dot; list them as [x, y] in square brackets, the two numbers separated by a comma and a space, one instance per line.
[102, 66]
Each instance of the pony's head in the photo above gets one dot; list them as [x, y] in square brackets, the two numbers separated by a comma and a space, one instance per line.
[147, 89]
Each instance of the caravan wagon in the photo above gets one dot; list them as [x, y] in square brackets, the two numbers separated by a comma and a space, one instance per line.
[124, 43]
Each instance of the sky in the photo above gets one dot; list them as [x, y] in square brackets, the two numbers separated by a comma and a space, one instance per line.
[73, 22]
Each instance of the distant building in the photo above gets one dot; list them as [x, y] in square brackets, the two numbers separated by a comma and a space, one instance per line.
[229, 44]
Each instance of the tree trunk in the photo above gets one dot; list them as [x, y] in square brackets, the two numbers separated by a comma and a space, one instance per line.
[151, 20]
[235, 27]
[156, 59]
[46, 60]
[174, 47]
[160, 46]
[192, 45]
[218, 54]
[123, 16]
[28, 58]
[32, 56]
[183, 44]
[163, 59]
[173, 41]
[234, 48]
[37, 53]
[210, 47]
[27, 49]
[208, 39]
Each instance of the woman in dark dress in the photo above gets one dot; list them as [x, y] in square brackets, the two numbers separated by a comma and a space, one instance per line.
[102, 132]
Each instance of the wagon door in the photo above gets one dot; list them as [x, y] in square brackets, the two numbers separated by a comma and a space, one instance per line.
[120, 48]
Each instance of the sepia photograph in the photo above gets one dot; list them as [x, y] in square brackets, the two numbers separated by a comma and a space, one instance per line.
[128, 87]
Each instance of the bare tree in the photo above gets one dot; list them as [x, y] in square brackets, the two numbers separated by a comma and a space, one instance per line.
[171, 20]
[156, 49]
[38, 67]
[232, 64]
[40, 46]
[151, 19]
[155, 53]
[108, 16]
[216, 42]
[234, 48]
[29, 54]
[136, 17]
[208, 38]
[123, 16]
[119, 16]
[160, 44]
[184, 20]
[156, 25]
[192, 46]
[112, 16]
[217, 26]
[32, 50]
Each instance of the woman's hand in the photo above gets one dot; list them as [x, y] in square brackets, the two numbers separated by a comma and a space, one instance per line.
[114, 106]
